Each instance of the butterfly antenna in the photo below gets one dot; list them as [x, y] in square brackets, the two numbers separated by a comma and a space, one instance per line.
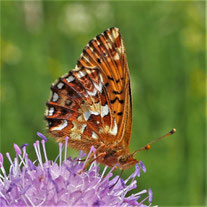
[148, 146]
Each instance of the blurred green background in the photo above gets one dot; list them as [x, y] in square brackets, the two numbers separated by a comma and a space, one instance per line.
[165, 43]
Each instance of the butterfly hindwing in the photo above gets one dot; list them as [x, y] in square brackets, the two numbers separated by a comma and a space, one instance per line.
[79, 107]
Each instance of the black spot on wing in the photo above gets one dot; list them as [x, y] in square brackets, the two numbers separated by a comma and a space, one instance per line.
[116, 92]
[110, 78]
[106, 84]
[117, 99]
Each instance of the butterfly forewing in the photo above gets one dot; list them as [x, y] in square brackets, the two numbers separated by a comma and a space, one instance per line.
[107, 52]
[92, 103]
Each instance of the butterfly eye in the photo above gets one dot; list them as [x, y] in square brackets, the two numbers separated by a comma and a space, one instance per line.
[123, 159]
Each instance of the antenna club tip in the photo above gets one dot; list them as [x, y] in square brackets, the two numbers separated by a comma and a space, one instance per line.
[173, 131]
[147, 147]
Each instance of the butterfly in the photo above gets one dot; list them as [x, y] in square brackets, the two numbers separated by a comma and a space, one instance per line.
[92, 103]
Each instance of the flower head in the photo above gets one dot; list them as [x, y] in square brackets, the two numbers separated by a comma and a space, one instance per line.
[57, 183]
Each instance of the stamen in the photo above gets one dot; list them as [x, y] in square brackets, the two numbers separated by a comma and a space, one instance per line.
[102, 175]
[37, 153]
[44, 150]
[140, 193]
[22, 160]
[24, 146]
[150, 195]
[3, 196]
[137, 171]
[133, 175]
[93, 149]
[2, 167]
[60, 153]
[104, 170]
[44, 199]
[31, 203]
[17, 149]
[42, 136]
[16, 166]
[144, 200]
[122, 183]
[53, 182]
[31, 164]
[25, 190]
[110, 174]
[93, 163]
[26, 160]
[66, 147]
[26, 202]
[142, 166]
[38, 149]
[131, 185]
[82, 154]
[1, 160]
[9, 158]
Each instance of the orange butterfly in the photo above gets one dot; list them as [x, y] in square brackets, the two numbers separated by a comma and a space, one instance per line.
[92, 104]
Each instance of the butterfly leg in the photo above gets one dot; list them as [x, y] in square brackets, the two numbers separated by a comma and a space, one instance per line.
[82, 160]
[92, 159]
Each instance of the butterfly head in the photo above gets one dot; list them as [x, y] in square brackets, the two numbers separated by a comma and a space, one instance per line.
[118, 157]
[126, 161]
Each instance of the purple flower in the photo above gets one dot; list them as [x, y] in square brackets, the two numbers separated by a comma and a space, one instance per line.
[57, 183]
